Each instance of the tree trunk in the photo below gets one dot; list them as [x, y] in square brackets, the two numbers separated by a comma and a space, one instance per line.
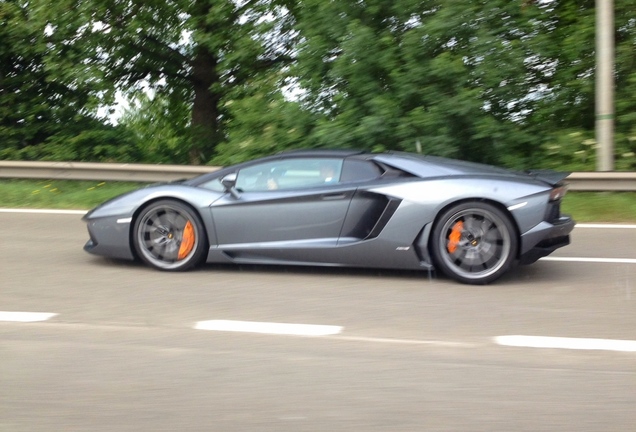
[205, 110]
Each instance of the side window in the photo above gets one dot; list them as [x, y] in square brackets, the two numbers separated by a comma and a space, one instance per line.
[259, 177]
[356, 170]
[289, 174]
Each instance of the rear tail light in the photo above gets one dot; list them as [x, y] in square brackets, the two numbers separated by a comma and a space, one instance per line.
[558, 192]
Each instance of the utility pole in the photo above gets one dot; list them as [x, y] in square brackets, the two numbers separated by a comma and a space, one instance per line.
[605, 85]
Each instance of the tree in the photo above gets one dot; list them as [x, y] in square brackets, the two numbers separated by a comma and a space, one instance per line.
[36, 108]
[566, 113]
[492, 81]
[262, 122]
[497, 81]
[392, 74]
[193, 52]
[158, 128]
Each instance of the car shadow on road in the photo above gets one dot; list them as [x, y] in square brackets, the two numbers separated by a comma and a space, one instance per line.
[539, 272]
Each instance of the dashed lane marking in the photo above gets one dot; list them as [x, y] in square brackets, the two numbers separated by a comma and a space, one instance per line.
[329, 331]
[566, 343]
[603, 226]
[269, 328]
[333, 332]
[44, 211]
[592, 260]
[449, 344]
[25, 316]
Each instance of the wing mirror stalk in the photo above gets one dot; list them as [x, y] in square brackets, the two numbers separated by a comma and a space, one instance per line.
[229, 183]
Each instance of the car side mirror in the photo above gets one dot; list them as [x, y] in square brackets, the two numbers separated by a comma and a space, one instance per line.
[229, 183]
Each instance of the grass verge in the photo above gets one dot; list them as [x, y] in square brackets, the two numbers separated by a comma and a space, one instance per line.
[613, 207]
[59, 194]
[68, 194]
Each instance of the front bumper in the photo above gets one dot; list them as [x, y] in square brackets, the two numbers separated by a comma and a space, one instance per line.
[545, 238]
[110, 237]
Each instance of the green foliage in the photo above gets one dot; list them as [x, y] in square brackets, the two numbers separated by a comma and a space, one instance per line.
[158, 127]
[96, 143]
[399, 73]
[575, 150]
[38, 108]
[191, 53]
[262, 122]
[570, 150]
[499, 81]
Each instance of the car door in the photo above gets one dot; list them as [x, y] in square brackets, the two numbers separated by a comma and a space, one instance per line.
[288, 203]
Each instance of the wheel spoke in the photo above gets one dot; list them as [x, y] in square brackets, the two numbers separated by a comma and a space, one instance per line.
[164, 219]
[488, 256]
[487, 226]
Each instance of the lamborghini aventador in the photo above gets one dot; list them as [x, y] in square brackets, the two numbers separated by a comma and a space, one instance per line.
[394, 210]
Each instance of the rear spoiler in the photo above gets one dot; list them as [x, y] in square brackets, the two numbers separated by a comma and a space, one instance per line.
[553, 178]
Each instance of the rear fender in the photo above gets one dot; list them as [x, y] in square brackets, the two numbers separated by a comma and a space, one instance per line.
[550, 177]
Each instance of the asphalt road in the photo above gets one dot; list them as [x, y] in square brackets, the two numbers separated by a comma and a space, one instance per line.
[414, 353]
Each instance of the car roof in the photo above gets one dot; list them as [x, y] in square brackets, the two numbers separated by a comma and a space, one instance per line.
[321, 153]
[308, 153]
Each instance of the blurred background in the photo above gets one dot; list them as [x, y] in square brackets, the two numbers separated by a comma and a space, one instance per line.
[217, 82]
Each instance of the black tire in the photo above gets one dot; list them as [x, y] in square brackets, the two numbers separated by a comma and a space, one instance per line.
[169, 235]
[474, 243]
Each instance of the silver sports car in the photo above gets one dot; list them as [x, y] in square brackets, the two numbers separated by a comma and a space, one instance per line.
[341, 208]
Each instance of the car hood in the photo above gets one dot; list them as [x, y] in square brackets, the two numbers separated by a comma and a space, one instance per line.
[126, 204]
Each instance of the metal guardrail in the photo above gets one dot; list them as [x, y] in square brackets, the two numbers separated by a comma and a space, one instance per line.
[602, 181]
[578, 181]
[100, 171]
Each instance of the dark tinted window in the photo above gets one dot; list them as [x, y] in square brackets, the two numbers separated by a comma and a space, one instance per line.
[356, 170]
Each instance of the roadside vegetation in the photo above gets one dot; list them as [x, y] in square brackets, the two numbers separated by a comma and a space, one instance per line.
[601, 206]
[59, 194]
[509, 83]
[84, 195]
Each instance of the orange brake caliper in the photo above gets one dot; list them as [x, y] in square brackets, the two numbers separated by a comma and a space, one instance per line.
[187, 241]
[455, 236]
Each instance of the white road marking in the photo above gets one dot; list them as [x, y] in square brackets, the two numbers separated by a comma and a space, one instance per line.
[566, 343]
[44, 211]
[333, 332]
[329, 331]
[592, 260]
[25, 316]
[604, 226]
[404, 341]
[269, 328]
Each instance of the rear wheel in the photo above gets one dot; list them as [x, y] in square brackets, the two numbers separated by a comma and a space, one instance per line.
[474, 243]
[169, 235]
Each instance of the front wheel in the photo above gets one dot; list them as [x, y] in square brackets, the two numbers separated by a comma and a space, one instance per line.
[169, 235]
[474, 243]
